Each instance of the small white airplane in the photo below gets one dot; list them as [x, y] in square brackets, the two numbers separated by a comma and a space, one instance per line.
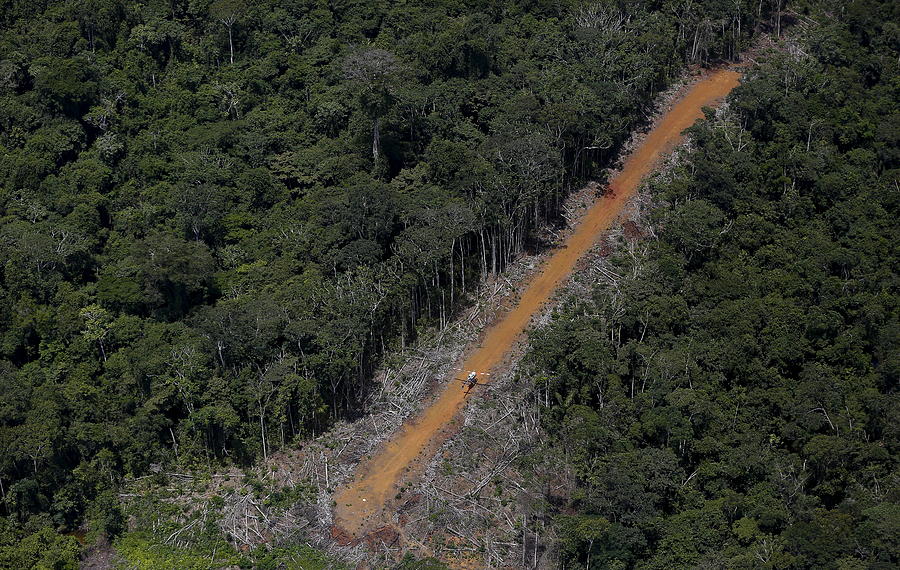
[471, 380]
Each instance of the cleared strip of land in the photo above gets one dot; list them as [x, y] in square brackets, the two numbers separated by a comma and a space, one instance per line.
[364, 504]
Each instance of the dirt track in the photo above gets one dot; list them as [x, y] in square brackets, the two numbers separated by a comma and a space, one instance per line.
[365, 504]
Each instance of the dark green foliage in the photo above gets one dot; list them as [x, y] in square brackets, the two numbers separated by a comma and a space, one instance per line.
[42, 549]
[215, 215]
[740, 410]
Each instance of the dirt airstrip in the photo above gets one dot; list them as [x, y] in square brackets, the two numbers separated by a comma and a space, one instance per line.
[365, 503]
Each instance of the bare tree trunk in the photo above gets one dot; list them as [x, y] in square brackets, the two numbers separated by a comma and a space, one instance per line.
[484, 269]
[230, 47]
[493, 253]
[696, 42]
[452, 277]
[262, 432]
[462, 265]
[376, 139]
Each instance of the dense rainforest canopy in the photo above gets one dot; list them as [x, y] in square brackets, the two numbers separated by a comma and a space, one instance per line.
[217, 214]
[728, 397]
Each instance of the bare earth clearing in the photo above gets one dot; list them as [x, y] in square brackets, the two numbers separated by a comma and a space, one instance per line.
[368, 502]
